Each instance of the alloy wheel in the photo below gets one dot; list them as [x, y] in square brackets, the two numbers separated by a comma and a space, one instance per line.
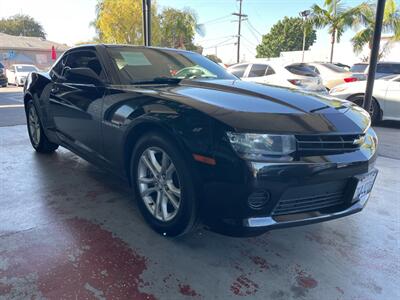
[34, 125]
[158, 183]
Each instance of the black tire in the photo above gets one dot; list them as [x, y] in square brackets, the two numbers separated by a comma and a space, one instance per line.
[42, 145]
[375, 111]
[186, 217]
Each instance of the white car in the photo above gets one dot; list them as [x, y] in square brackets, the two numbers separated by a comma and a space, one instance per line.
[17, 74]
[293, 76]
[331, 74]
[386, 96]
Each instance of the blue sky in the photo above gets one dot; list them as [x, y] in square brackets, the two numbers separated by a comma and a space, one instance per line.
[67, 21]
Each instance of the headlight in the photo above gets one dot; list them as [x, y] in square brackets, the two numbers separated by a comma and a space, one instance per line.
[254, 146]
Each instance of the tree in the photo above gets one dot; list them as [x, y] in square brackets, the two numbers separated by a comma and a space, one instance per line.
[366, 17]
[22, 25]
[334, 16]
[285, 35]
[214, 58]
[121, 22]
[178, 28]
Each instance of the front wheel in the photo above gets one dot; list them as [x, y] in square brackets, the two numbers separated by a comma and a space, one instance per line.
[163, 185]
[38, 138]
[374, 110]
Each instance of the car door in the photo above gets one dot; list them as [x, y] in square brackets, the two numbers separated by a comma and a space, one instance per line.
[76, 106]
[392, 100]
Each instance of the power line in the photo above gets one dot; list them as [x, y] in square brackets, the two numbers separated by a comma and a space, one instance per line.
[252, 32]
[216, 19]
[251, 25]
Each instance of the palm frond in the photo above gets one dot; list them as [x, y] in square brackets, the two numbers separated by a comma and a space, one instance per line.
[361, 38]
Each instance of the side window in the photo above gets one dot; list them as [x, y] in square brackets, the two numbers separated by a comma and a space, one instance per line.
[238, 71]
[315, 69]
[85, 59]
[270, 71]
[257, 70]
[384, 68]
[56, 71]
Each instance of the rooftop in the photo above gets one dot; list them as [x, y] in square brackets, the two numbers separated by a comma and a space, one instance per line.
[26, 42]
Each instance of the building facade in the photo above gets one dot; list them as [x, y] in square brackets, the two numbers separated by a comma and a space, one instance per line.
[29, 50]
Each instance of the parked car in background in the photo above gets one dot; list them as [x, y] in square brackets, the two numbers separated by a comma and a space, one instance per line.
[331, 74]
[17, 73]
[360, 70]
[386, 96]
[294, 76]
[346, 67]
[3, 77]
[197, 143]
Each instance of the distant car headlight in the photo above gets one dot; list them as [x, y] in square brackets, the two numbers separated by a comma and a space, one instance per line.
[260, 147]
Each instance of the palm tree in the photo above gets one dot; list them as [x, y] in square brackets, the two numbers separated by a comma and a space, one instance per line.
[366, 17]
[336, 17]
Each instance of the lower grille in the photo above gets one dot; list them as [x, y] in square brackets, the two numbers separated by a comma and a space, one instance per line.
[311, 198]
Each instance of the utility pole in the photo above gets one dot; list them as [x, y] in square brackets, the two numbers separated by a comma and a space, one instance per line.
[304, 14]
[373, 59]
[239, 15]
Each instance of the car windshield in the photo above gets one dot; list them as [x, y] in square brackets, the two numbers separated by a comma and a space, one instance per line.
[25, 68]
[148, 65]
[358, 68]
[1, 65]
[334, 68]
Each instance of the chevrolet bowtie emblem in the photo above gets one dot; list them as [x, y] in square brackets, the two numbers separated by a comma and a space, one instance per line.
[359, 141]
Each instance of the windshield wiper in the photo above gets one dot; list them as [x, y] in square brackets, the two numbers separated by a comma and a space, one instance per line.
[159, 80]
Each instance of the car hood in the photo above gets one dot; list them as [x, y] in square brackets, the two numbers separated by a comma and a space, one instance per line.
[251, 107]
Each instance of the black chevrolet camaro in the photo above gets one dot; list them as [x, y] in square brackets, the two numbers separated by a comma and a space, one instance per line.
[197, 143]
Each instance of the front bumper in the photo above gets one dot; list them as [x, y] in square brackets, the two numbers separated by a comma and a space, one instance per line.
[309, 217]
[328, 182]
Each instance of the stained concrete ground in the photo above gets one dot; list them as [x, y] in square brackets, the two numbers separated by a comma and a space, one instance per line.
[69, 230]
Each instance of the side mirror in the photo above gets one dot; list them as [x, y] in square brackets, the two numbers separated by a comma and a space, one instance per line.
[82, 75]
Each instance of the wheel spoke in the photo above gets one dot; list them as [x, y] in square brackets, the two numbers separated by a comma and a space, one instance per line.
[165, 162]
[149, 165]
[176, 191]
[172, 199]
[154, 161]
[164, 207]
[147, 192]
[146, 180]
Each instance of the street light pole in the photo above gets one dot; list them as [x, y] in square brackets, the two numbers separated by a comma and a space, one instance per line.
[374, 54]
[146, 6]
[304, 14]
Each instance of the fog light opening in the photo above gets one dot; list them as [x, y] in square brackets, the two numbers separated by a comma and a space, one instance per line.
[258, 200]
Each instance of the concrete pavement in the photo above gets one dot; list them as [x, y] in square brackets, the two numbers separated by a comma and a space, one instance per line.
[11, 106]
[71, 231]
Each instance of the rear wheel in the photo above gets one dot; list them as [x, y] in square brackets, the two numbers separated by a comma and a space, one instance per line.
[163, 185]
[374, 110]
[38, 138]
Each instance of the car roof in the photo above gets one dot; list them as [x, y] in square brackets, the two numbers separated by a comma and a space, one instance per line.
[83, 46]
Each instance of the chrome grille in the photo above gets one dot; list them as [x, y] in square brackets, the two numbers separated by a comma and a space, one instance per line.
[329, 143]
[311, 198]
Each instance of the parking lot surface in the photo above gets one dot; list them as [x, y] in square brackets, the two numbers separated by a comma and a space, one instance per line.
[69, 230]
